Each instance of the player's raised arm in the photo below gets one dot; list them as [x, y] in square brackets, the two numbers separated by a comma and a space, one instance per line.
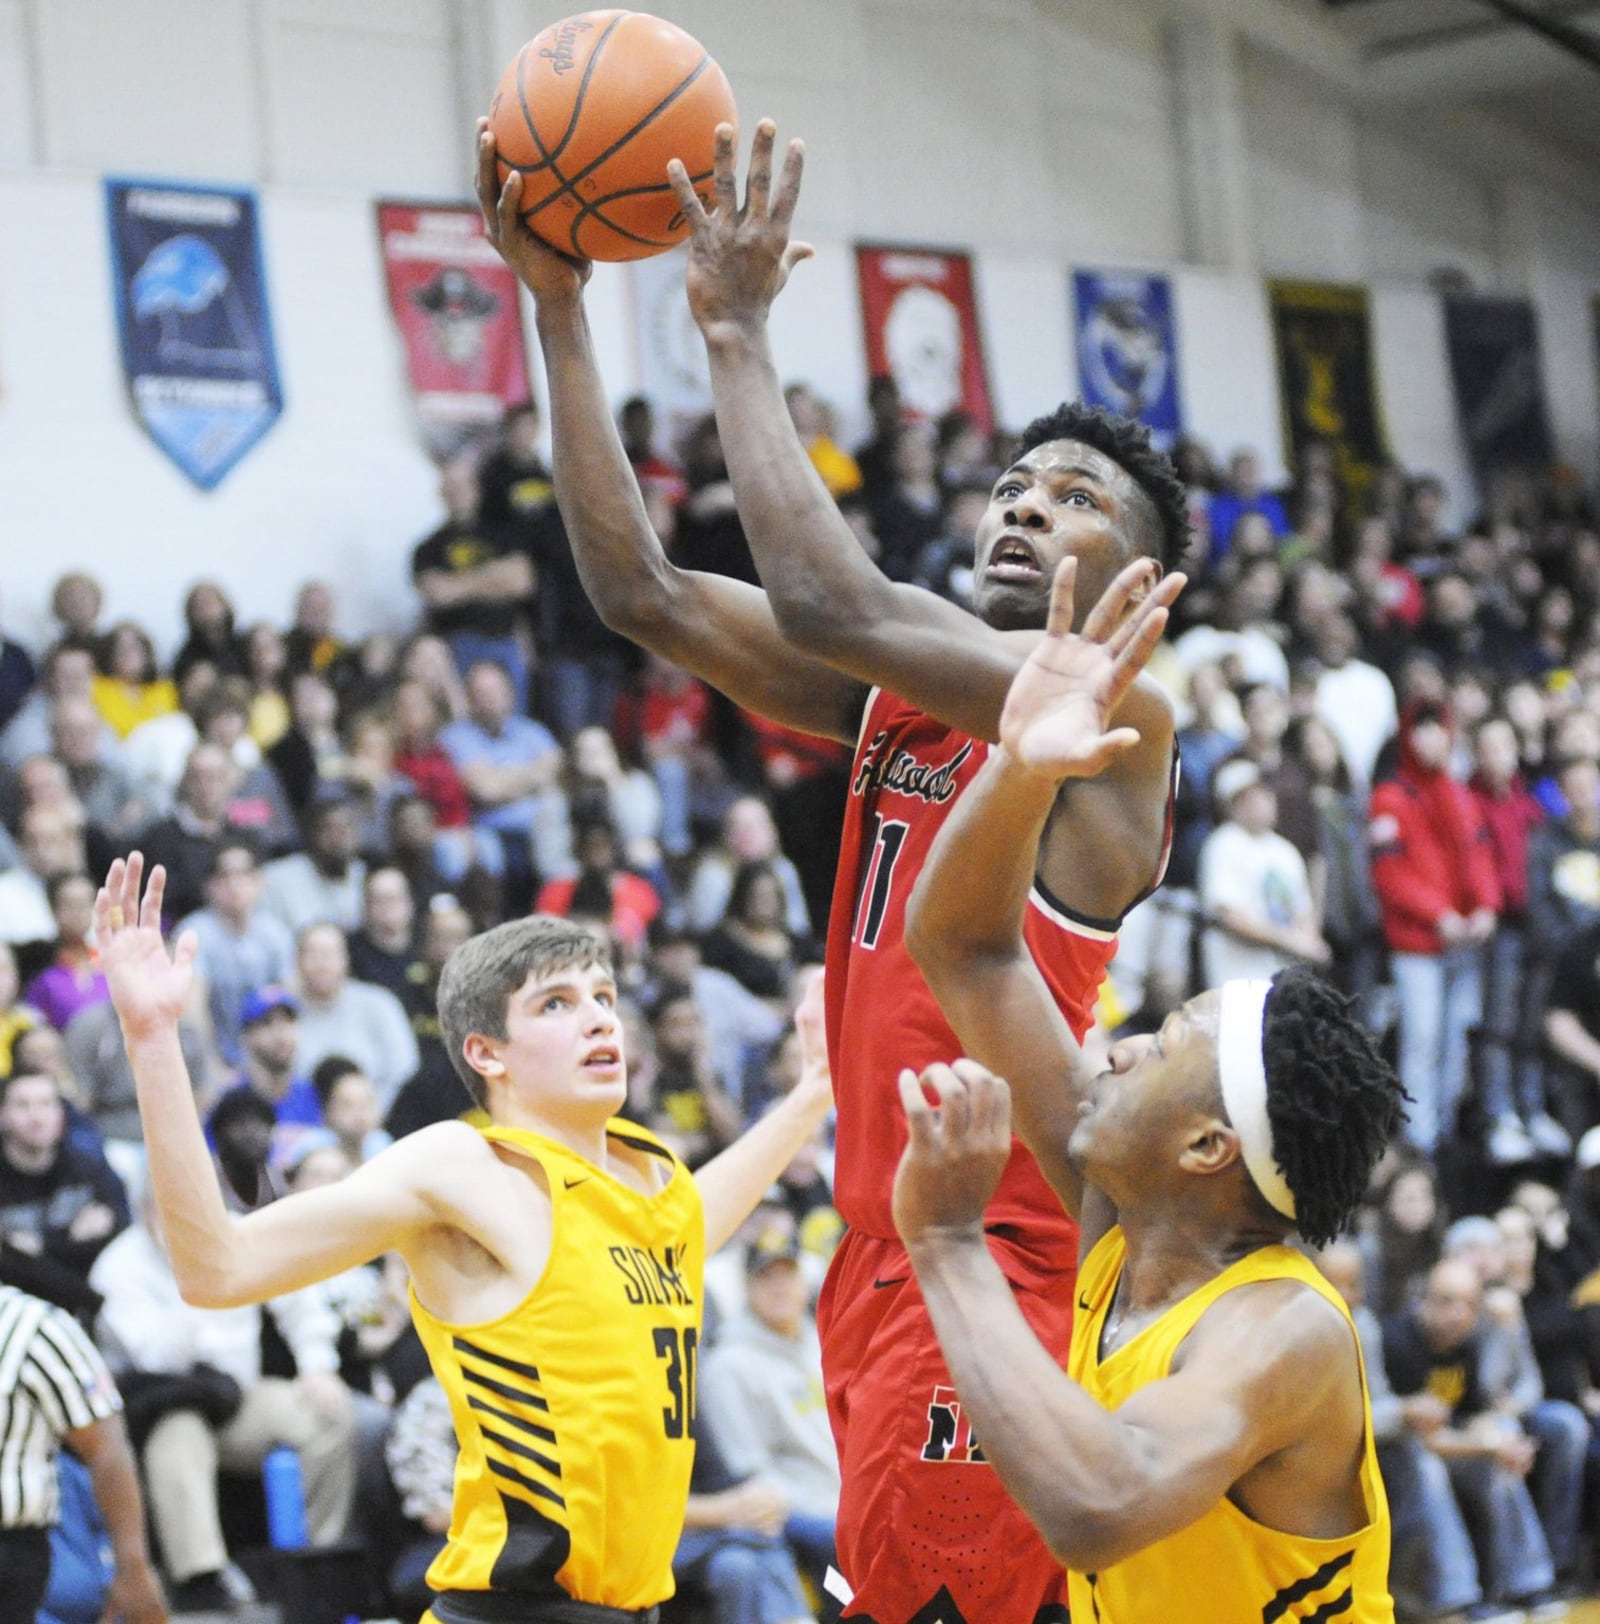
[829, 598]
[964, 921]
[732, 1183]
[220, 1260]
[1266, 1369]
[720, 629]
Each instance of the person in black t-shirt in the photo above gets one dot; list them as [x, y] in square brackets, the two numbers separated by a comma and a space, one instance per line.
[473, 579]
[1572, 1028]
[583, 665]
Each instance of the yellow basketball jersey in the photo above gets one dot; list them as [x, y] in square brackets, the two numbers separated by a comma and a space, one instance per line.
[574, 1412]
[1224, 1568]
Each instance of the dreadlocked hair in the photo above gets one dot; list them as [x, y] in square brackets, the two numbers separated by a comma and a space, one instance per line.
[1333, 1101]
[1126, 443]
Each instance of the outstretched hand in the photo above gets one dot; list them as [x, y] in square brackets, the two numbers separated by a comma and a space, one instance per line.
[149, 986]
[955, 1151]
[810, 1023]
[1055, 716]
[546, 273]
[739, 259]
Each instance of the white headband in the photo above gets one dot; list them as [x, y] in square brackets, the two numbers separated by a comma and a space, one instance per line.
[1243, 1073]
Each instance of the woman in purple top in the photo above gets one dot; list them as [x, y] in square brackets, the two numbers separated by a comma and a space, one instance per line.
[73, 981]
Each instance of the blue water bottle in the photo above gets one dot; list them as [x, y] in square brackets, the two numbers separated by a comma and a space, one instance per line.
[286, 1500]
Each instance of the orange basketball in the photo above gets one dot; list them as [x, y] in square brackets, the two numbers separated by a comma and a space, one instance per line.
[590, 112]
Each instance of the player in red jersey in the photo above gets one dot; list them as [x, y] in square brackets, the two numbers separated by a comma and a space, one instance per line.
[834, 648]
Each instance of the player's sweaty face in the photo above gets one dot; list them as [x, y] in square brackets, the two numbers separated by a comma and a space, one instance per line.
[1062, 497]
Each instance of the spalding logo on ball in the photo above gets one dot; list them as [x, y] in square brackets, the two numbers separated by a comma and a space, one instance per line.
[590, 113]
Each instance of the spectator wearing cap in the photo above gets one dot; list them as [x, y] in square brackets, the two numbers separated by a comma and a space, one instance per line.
[762, 1396]
[341, 1016]
[241, 945]
[322, 883]
[1439, 897]
[1254, 888]
[269, 1035]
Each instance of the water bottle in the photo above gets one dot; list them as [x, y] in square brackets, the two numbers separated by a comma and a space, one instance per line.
[286, 1501]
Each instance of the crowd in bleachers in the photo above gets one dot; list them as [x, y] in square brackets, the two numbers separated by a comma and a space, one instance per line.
[1390, 745]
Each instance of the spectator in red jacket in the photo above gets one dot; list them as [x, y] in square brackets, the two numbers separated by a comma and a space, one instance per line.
[1521, 1127]
[1433, 867]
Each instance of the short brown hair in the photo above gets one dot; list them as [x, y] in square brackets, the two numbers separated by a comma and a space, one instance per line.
[480, 977]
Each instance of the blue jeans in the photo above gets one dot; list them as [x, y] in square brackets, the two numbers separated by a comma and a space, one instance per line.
[1562, 1432]
[468, 648]
[750, 1577]
[575, 694]
[80, 1552]
[1441, 1000]
[1515, 1556]
[1510, 1070]
[812, 1541]
[1432, 1548]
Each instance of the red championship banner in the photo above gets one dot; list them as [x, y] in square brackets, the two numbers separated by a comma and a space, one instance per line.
[455, 303]
[921, 326]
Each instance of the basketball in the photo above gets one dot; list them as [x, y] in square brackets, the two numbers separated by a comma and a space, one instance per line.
[589, 114]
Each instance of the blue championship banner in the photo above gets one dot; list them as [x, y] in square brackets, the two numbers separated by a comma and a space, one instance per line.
[1127, 349]
[192, 313]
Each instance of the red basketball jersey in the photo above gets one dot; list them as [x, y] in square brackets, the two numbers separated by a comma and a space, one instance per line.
[908, 771]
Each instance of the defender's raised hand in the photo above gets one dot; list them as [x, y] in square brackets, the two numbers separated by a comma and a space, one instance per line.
[149, 986]
[955, 1152]
[546, 274]
[739, 259]
[1055, 716]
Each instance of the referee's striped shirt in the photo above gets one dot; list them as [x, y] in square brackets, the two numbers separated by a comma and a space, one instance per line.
[52, 1381]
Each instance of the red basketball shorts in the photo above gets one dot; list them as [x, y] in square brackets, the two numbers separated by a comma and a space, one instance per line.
[926, 1532]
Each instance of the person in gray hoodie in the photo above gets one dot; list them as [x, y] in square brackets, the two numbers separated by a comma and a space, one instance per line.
[761, 1394]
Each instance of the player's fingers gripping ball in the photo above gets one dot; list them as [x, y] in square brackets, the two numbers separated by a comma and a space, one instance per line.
[590, 113]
